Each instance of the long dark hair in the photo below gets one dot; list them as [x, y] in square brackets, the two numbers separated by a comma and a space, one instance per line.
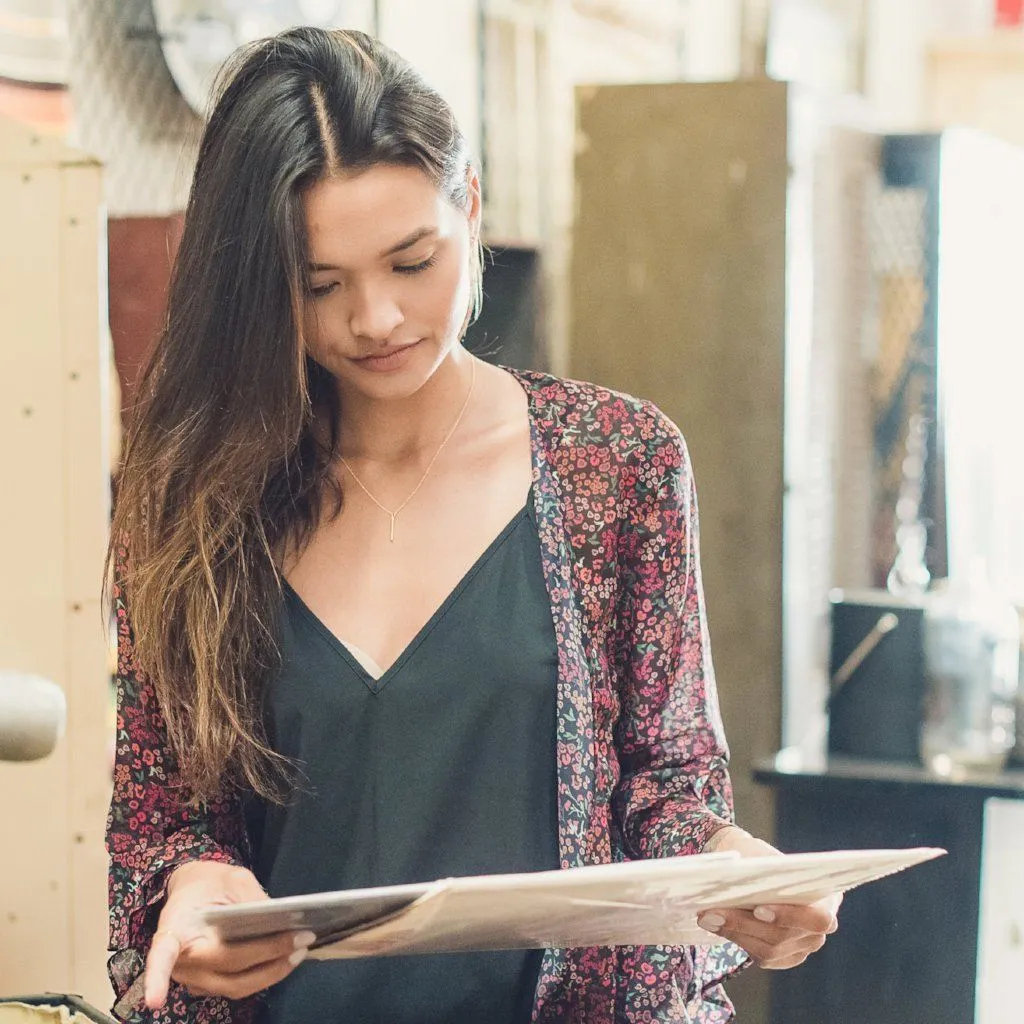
[228, 454]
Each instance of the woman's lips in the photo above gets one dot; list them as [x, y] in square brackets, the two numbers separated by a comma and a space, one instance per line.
[392, 360]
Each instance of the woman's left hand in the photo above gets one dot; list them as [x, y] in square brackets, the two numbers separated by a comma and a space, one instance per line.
[776, 936]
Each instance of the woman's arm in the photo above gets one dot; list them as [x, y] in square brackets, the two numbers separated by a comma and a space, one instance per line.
[674, 795]
[151, 827]
[674, 792]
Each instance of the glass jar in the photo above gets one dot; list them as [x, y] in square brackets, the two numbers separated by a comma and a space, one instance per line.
[971, 664]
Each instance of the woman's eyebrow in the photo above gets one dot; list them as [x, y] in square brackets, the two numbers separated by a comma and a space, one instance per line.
[406, 243]
[410, 240]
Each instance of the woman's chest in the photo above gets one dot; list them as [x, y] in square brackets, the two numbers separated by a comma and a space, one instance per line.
[377, 589]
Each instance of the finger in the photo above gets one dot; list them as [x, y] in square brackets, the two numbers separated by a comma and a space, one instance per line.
[245, 983]
[783, 962]
[787, 918]
[728, 923]
[777, 956]
[212, 954]
[743, 928]
[163, 955]
[817, 917]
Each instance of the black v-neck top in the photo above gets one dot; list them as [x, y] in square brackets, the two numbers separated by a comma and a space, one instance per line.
[445, 766]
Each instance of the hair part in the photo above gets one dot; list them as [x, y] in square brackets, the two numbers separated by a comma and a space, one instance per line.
[332, 165]
[227, 459]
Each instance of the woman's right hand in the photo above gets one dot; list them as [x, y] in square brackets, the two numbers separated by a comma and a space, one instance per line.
[195, 956]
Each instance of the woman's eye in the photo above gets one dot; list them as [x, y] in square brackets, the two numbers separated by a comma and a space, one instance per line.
[324, 289]
[417, 268]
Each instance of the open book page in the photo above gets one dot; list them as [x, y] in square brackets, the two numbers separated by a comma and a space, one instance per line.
[651, 902]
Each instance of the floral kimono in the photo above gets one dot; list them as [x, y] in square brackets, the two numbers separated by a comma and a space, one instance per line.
[641, 755]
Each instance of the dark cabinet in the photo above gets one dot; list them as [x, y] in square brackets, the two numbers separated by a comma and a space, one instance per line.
[933, 945]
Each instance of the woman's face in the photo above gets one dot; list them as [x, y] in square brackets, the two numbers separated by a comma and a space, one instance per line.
[390, 278]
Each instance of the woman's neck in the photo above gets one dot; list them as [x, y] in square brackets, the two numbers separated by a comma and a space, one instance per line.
[406, 431]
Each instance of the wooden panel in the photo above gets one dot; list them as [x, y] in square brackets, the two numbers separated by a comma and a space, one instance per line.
[678, 295]
[34, 870]
[54, 421]
[23, 147]
[85, 378]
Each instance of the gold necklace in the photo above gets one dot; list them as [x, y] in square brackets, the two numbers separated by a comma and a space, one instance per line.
[447, 437]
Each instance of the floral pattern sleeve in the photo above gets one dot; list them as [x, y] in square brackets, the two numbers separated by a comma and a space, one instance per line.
[674, 791]
[152, 828]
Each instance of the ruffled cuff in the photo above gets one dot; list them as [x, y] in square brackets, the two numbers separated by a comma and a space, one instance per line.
[133, 926]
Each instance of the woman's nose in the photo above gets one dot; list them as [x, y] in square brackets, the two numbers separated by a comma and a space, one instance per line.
[375, 314]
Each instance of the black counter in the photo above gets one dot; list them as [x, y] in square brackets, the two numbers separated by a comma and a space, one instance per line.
[906, 950]
[788, 768]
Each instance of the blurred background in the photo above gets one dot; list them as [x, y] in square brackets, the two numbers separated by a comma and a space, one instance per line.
[796, 225]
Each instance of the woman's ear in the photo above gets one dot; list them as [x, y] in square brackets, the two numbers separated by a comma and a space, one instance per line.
[474, 202]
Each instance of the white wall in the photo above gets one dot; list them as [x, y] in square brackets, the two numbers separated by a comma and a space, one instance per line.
[898, 37]
[440, 39]
[713, 48]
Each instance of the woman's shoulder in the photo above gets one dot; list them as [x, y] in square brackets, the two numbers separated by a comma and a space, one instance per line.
[588, 413]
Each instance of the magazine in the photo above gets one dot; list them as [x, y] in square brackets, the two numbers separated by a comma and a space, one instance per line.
[633, 903]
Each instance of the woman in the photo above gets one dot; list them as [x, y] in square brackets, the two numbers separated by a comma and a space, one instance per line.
[388, 613]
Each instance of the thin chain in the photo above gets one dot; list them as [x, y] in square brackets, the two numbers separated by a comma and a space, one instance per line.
[447, 437]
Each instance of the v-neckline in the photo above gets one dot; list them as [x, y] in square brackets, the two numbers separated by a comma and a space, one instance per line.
[339, 646]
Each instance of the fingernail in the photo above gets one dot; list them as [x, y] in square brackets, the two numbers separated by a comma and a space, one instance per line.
[711, 922]
[303, 940]
[765, 914]
[298, 956]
